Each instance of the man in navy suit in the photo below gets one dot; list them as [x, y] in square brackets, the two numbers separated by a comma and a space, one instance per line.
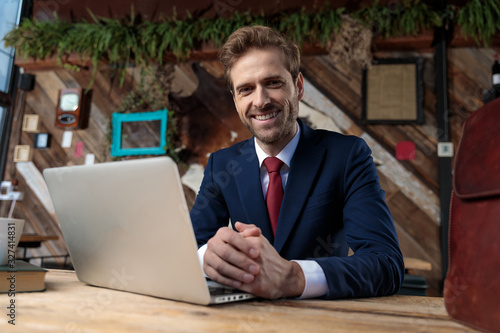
[332, 200]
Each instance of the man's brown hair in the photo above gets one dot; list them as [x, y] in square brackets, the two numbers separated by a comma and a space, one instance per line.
[259, 37]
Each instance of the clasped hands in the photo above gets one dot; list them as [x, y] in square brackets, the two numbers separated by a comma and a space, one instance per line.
[244, 259]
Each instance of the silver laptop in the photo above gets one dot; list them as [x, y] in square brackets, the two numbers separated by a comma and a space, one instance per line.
[127, 227]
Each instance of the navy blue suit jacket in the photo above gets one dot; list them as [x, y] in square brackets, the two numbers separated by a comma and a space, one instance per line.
[332, 201]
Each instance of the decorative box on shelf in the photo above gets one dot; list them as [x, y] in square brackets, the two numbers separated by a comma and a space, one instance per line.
[31, 123]
[22, 153]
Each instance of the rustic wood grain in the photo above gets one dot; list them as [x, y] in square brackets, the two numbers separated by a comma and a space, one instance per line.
[342, 85]
[69, 305]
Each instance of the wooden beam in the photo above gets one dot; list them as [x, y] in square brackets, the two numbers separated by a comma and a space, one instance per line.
[421, 43]
[51, 63]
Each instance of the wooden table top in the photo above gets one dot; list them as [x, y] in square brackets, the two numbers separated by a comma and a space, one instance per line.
[37, 238]
[71, 306]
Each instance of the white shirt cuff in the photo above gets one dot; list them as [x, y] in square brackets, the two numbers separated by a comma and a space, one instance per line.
[201, 254]
[316, 285]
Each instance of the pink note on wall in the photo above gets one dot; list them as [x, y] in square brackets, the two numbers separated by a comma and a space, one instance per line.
[405, 150]
[79, 149]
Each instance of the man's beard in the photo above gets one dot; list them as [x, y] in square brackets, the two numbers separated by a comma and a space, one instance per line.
[282, 126]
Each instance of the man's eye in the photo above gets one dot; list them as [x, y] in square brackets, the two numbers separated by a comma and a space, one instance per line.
[275, 83]
[245, 90]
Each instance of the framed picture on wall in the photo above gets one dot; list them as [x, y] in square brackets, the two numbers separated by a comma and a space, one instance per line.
[392, 92]
[42, 140]
[140, 133]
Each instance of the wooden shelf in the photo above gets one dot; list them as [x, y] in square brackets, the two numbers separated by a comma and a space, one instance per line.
[418, 264]
[421, 43]
[31, 64]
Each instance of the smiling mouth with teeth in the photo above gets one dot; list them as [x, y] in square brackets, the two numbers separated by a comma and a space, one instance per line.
[266, 116]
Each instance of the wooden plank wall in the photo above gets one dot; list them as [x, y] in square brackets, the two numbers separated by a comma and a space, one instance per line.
[207, 121]
[42, 101]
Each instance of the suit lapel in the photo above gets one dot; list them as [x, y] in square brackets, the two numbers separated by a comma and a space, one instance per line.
[247, 177]
[304, 167]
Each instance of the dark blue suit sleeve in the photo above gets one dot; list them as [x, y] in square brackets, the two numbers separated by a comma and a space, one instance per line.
[210, 211]
[377, 266]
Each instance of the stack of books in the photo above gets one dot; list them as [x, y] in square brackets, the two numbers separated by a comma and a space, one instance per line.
[21, 277]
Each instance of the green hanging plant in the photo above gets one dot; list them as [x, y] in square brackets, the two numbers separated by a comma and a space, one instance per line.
[38, 39]
[109, 39]
[326, 24]
[119, 42]
[406, 18]
[480, 20]
[319, 26]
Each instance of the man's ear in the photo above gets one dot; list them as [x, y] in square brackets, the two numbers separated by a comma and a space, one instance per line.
[300, 86]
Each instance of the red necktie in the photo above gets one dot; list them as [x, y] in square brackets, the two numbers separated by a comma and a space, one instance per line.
[274, 190]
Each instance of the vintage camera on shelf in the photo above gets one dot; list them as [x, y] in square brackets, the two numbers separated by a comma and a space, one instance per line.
[73, 108]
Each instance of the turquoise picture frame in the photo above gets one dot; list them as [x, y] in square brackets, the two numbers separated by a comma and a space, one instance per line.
[116, 139]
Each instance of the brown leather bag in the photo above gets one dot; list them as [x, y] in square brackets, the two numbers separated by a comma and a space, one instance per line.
[472, 285]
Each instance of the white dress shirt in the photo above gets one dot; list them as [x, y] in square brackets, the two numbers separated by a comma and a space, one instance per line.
[315, 280]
